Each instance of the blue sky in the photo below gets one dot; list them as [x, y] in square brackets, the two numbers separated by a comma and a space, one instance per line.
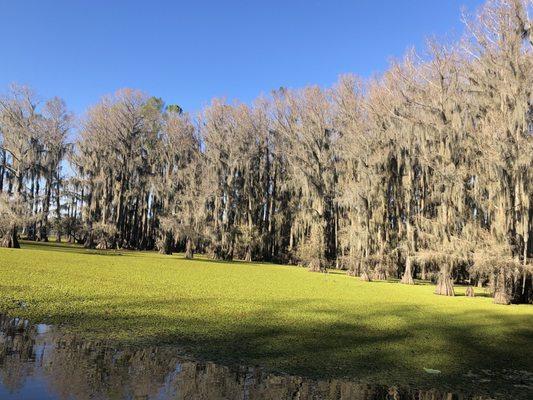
[189, 52]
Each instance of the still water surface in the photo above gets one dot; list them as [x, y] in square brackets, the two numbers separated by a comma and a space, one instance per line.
[38, 362]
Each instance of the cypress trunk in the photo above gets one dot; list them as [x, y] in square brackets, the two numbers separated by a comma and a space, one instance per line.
[444, 284]
[408, 274]
[189, 249]
[10, 239]
[501, 291]
[167, 243]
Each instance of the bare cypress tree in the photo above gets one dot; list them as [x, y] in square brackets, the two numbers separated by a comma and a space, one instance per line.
[304, 119]
[179, 182]
[56, 124]
[18, 121]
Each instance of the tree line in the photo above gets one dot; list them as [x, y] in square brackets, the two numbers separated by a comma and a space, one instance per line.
[423, 172]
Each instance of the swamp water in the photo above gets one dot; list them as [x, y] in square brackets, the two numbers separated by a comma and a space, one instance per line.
[38, 362]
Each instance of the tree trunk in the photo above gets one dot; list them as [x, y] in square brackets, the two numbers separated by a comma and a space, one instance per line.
[423, 272]
[365, 277]
[58, 208]
[31, 235]
[407, 277]
[379, 274]
[501, 293]
[2, 170]
[89, 241]
[317, 265]
[444, 284]
[248, 256]
[120, 218]
[470, 291]
[188, 249]
[501, 297]
[43, 231]
[10, 239]
[167, 244]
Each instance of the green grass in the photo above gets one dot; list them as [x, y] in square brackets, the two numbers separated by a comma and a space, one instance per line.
[280, 317]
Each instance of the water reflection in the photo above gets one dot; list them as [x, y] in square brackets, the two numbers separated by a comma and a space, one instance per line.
[37, 362]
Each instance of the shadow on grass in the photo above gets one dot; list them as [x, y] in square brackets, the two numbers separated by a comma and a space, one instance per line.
[357, 347]
[33, 357]
[79, 249]
[71, 248]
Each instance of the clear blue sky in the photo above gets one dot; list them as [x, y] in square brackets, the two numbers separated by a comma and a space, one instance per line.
[188, 52]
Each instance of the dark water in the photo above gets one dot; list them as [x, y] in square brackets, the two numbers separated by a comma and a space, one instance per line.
[37, 362]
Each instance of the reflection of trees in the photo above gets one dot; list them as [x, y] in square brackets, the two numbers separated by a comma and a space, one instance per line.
[16, 347]
[91, 370]
[88, 370]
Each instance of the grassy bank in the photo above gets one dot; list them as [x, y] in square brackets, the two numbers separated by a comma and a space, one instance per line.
[285, 318]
